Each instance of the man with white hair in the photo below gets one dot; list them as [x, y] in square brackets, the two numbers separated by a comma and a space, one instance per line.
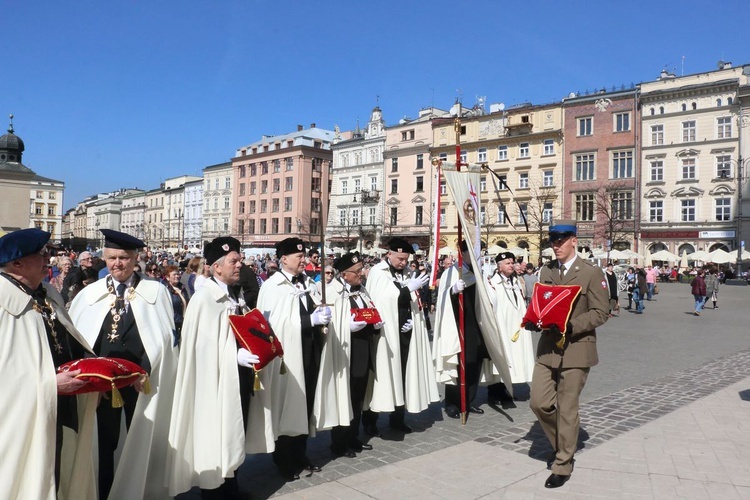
[73, 282]
[124, 316]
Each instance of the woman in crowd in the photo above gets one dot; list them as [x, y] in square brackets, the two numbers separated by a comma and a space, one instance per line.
[201, 278]
[191, 272]
[65, 265]
[630, 280]
[698, 288]
[712, 286]
[179, 298]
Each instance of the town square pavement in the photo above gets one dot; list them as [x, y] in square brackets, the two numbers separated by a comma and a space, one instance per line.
[663, 415]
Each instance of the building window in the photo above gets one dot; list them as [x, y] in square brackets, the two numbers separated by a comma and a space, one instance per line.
[549, 146]
[51, 209]
[657, 135]
[355, 217]
[585, 168]
[316, 184]
[287, 225]
[394, 216]
[263, 226]
[523, 150]
[240, 226]
[622, 164]
[251, 207]
[407, 135]
[548, 179]
[657, 171]
[723, 167]
[394, 186]
[288, 183]
[420, 184]
[243, 171]
[276, 185]
[216, 183]
[274, 225]
[622, 122]
[482, 215]
[40, 194]
[224, 225]
[443, 219]
[241, 208]
[251, 226]
[547, 213]
[275, 205]
[585, 126]
[242, 189]
[315, 204]
[656, 211]
[420, 161]
[342, 217]
[344, 186]
[688, 168]
[394, 164]
[287, 203]
[373, 184]
[688, 131]
[276, 166]
[622, 205]
[289, 164]
[263, 206]
[372, 216]
[252, 187]
[253, 171]
[723, 209]
[502, 182]
[687, 212]
[443, 157]
[443, 187]
[482, 155]
[523, 180]
[263, 187]
[502, 152]
[463, 153]
[724, 127]
[585, 207]
[419, 215]
[357, 185]
[228, 183]
[523, 209]
[51, 195]
[483, 184]
[226, 203]
[263, 168]
[501, 214]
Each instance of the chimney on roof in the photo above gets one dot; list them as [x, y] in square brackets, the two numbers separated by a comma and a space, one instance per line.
[312, 125]
[299, 128]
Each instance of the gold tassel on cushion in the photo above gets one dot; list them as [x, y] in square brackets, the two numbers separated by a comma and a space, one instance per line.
[147, 385]
[257, 386]
[116, 397]
[282, 370]
[515, 336]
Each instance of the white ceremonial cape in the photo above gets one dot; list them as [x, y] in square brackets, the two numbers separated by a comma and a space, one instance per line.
[388, 388]
[144, 450]
[445, 343]
[509, 313]
[464, 188]
[279, 303]
[29, 403]
[333, 402]
[207, 442]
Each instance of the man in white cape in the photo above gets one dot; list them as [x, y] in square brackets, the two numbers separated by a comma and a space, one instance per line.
[348, 359]
[289, 301]
[127, 317]
[209, 435]
[35, 335]
[510, 307]
[405, 376]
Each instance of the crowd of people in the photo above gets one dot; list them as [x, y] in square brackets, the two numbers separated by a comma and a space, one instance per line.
[361, 336]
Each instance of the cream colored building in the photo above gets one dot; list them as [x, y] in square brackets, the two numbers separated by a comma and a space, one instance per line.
[133, 214]
[46, 197]
[174, 210]
[692, 137]
[523, 145]
[155, 230]
[217, 200]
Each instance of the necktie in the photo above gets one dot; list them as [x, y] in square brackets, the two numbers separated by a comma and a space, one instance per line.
[562, 272]
[121, 290]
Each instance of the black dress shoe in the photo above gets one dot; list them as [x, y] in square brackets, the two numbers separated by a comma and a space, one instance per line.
[555, 481]
[372, 431]
[476, 409]
[402, 427]
[313, 468]
[288, 474]
[452, 411]
[359, 446]
[341, 453]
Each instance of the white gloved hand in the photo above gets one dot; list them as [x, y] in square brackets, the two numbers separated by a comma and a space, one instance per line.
[407, 326]
[246, 358]
[321, 316]
[415, 284]
[458, 287]
[355, 326]
[379, 325]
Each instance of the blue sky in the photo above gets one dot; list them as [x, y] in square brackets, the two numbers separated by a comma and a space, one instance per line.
[110, 94]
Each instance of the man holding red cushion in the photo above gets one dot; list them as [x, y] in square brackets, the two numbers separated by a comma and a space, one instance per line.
[36, 336]
[209, 435]
[560, 374]
[124, 316]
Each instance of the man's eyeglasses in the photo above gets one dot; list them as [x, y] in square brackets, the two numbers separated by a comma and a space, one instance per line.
[329, 272]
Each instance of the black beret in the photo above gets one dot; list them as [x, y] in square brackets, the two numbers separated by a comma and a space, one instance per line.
[121, 241]
[289, 246]
[346, 261]
[400, 245]
[505, 255]
[219, 247]
[22, 243]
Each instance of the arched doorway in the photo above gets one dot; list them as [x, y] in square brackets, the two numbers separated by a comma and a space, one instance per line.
[523, 244]
[687, 248]
[621, 245]
[501, 243]
[717, 246]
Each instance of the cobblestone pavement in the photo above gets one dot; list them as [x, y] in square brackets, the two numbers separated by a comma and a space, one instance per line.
[630, 349]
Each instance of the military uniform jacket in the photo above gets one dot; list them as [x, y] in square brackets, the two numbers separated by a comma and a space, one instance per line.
[590, 310]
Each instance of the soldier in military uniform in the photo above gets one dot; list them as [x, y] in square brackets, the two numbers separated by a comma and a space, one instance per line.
[560, 374]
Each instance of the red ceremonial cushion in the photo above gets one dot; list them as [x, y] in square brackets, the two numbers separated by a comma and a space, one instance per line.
[102, 373]
[254, 333]
[551, 305]
[368, 314]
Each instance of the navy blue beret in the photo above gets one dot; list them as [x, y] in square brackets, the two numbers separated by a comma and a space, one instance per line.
[22, 243]
[121, 241]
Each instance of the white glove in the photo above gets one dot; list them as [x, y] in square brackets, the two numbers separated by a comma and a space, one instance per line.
[321, 316]
[458, 287]
[246, 358]
[407, 326]
[415, 284]
[355, 326]
[379, 325]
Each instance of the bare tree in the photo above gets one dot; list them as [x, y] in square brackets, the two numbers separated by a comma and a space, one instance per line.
[539, 214]
[615, 213]
[393, 218]
[489, 223]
